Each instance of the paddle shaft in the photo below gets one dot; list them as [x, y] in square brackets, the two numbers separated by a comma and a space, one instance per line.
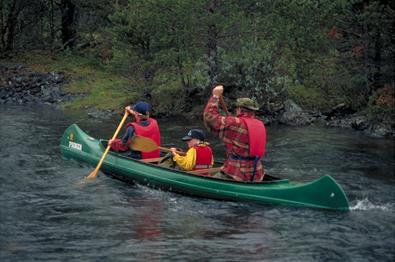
[224, 107]
[146, 144]
[96, 171]
[168, 150]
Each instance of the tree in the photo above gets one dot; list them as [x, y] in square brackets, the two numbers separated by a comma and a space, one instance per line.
[9, 20]
[366, 44]
[68, 13]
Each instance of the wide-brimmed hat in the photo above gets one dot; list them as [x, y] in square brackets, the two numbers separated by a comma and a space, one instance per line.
[195, 133]
[247, 103]
[142, 107]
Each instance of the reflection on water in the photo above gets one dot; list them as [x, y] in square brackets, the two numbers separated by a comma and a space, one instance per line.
[45, 216]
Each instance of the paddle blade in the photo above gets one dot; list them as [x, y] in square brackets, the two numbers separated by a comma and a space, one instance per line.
[143, 144]
[93, 174]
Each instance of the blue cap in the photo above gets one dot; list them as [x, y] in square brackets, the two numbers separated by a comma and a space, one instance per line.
[142, 108]
[195, 133]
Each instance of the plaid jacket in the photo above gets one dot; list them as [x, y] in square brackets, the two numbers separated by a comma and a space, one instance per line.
[234, 134]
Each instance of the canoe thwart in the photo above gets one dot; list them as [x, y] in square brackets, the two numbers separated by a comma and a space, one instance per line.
[206, 170]
[152, 160]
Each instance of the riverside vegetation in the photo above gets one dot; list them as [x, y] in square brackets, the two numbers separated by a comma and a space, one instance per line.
[304, 61]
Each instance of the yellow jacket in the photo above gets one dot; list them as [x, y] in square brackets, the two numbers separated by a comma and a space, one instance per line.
[187, 162]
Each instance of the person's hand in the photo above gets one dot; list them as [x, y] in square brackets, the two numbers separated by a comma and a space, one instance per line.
[110, 141]
[173, 150]
[129, 110]
[218, 90]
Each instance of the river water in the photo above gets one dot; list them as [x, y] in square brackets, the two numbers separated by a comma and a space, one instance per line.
[46, 216]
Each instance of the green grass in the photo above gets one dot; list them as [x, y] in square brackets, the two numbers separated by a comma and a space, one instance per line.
[308, 98]
[98, 86]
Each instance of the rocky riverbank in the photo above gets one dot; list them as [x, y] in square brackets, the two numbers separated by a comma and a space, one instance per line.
[340, 116]
[21, 85]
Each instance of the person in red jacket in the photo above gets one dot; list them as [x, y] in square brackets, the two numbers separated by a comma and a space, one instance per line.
[199, 154]
[142, 125]
[244, 137]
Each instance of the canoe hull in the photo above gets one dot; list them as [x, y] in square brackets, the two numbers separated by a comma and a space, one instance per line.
[322, 193]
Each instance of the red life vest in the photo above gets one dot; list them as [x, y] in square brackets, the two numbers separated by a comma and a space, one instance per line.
[151, 131]
[256, 135]
[204, 157]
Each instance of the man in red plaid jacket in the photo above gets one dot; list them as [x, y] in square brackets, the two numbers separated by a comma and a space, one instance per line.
[244, 137]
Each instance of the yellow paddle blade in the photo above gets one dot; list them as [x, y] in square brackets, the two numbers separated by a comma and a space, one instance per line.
[143, 144]
[93, 174]
[96, 171]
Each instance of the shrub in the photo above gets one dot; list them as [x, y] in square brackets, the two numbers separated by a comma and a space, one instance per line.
[168, 99]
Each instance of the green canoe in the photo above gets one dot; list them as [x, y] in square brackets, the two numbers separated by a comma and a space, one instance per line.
[322, 193]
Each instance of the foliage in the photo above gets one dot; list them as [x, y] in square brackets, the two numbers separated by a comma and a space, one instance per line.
[163, 100]
[382, 105]
[319, 53]
[309, 98]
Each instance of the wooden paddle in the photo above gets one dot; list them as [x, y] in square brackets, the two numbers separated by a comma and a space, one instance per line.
[96, 171]
[145, 144]
[224, 107]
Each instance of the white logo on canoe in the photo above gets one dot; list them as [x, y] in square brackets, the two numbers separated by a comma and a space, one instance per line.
[75, 145]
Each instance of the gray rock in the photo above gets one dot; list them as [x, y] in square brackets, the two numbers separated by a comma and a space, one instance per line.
[359, 123]
[3, 93]
[21, 85]
[381, 130]
[293, 115]
[340, 111]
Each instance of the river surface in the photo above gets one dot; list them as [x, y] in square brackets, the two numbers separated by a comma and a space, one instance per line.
[46, 216]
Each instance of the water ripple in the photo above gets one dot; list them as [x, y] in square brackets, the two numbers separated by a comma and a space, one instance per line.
[48, 212]
[366, 204]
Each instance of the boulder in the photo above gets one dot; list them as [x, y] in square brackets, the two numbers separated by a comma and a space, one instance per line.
[381, 130]
[360, 123]
[339, 111]
[293, 115]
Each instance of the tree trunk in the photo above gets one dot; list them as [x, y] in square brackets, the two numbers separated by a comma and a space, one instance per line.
[212, 53]
[52, 25]
[68, 10]
[377, 60]
[366, 64]
[212, 45]
[11, 25]
[366, 48]
[2, 26]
